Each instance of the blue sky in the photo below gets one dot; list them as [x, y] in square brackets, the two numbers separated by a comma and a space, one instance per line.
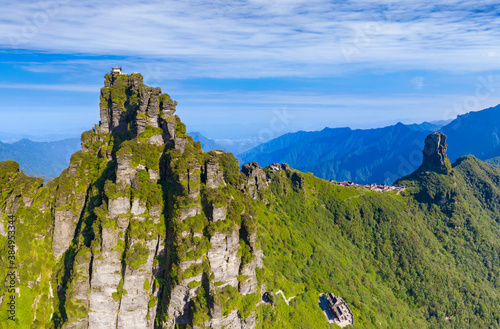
[250, 69]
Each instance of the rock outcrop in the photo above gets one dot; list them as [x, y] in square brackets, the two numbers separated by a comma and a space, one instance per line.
[435, 149]
[255, 178]
[144, 230]
[434, 153]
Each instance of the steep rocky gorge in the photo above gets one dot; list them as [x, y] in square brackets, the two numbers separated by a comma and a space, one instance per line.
[143, 230]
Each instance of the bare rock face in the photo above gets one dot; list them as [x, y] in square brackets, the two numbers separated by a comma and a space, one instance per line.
[156, 140]
[124, 172]
[168, 127]
[219, 213]
[104, 111]
[182, 295]
[154, 108]
[231, 321]
[256, 178]
[189, 212]
[106, 276]
[138, 207]
[435, 149]
[113, 109]
[223, 257]
[137, 282]
[250, 285]
[68, 209]
[65, 222]
[213, 174]
[435, 153]
[180, 143]
[118, 206]
[129, 107]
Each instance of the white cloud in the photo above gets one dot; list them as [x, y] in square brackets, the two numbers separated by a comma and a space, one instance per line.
[258, 38]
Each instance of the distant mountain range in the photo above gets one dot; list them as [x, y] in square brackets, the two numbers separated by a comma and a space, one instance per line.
[474, 133]
[378, 155]
[494, 161]
[235, 146]
[207, 144]
[43, 159]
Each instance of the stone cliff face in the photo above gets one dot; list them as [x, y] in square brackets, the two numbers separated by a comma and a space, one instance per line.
[434, 154]
[145, 229]
[435, 149]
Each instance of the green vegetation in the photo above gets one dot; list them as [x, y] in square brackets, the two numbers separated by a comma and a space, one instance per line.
[231, 168]
[119, 291]
[180, 128]
[9, 167]
[147, 190]
[230, 299]
[200, 307]
[142, 152]
[426, 259]
[150, 132]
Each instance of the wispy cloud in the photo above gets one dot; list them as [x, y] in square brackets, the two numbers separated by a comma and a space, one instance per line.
[258, 38]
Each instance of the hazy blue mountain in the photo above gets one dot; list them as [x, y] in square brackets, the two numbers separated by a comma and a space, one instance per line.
[228, 145]
[12, 137]
[474, 133]
[44, 159]
[207, 144]
[494, 161]
[371, 155]
[378, 155]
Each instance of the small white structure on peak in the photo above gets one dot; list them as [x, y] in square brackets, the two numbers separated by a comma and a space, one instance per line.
[116, 69]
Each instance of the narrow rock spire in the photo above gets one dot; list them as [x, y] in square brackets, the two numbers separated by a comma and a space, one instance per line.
[435, 153]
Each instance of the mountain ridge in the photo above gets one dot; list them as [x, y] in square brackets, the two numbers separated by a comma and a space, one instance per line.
[379, 155]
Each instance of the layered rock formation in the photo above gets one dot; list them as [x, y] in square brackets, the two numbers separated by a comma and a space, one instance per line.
[145, 229]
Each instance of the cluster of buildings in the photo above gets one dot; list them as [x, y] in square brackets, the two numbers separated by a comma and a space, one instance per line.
[336, 310]
[373, 187]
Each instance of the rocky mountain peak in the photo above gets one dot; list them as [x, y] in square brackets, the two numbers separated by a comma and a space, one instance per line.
[128, 106]
[146, 229]
[434, 153]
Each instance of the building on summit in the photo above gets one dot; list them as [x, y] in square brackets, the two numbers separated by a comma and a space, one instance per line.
[116, 69]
